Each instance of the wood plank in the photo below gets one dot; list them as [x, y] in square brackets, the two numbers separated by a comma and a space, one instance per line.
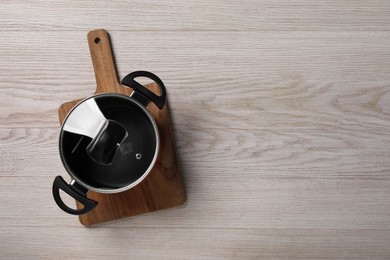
[239, 202]
[342, 74]
[347, 15]
[300, 153]
[224, 243]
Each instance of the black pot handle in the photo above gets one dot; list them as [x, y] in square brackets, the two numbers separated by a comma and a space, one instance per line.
[143, 94]
[78, 193]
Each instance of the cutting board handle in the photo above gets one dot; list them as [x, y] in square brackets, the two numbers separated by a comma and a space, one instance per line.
[103, 62]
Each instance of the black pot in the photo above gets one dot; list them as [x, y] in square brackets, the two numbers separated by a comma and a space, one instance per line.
[122, 153]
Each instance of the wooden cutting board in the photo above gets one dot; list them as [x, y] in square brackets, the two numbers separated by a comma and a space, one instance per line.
[163, 188]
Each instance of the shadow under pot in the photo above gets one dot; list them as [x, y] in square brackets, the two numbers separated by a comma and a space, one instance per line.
[108, 143]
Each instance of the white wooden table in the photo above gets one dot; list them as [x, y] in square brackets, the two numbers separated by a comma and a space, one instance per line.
[281, 113]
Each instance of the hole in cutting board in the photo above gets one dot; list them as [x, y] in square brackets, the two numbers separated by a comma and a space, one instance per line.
[97, 40]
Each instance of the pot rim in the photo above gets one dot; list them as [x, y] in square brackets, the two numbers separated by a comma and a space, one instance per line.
[148, 170]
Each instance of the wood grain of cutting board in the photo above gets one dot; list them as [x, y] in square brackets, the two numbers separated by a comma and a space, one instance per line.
[163, 188]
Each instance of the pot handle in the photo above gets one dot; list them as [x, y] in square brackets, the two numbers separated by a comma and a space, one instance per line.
[143, 94]
[75, 191]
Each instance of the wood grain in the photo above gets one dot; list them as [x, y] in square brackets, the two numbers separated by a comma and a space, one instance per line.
[280, 112]
[214, 15]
